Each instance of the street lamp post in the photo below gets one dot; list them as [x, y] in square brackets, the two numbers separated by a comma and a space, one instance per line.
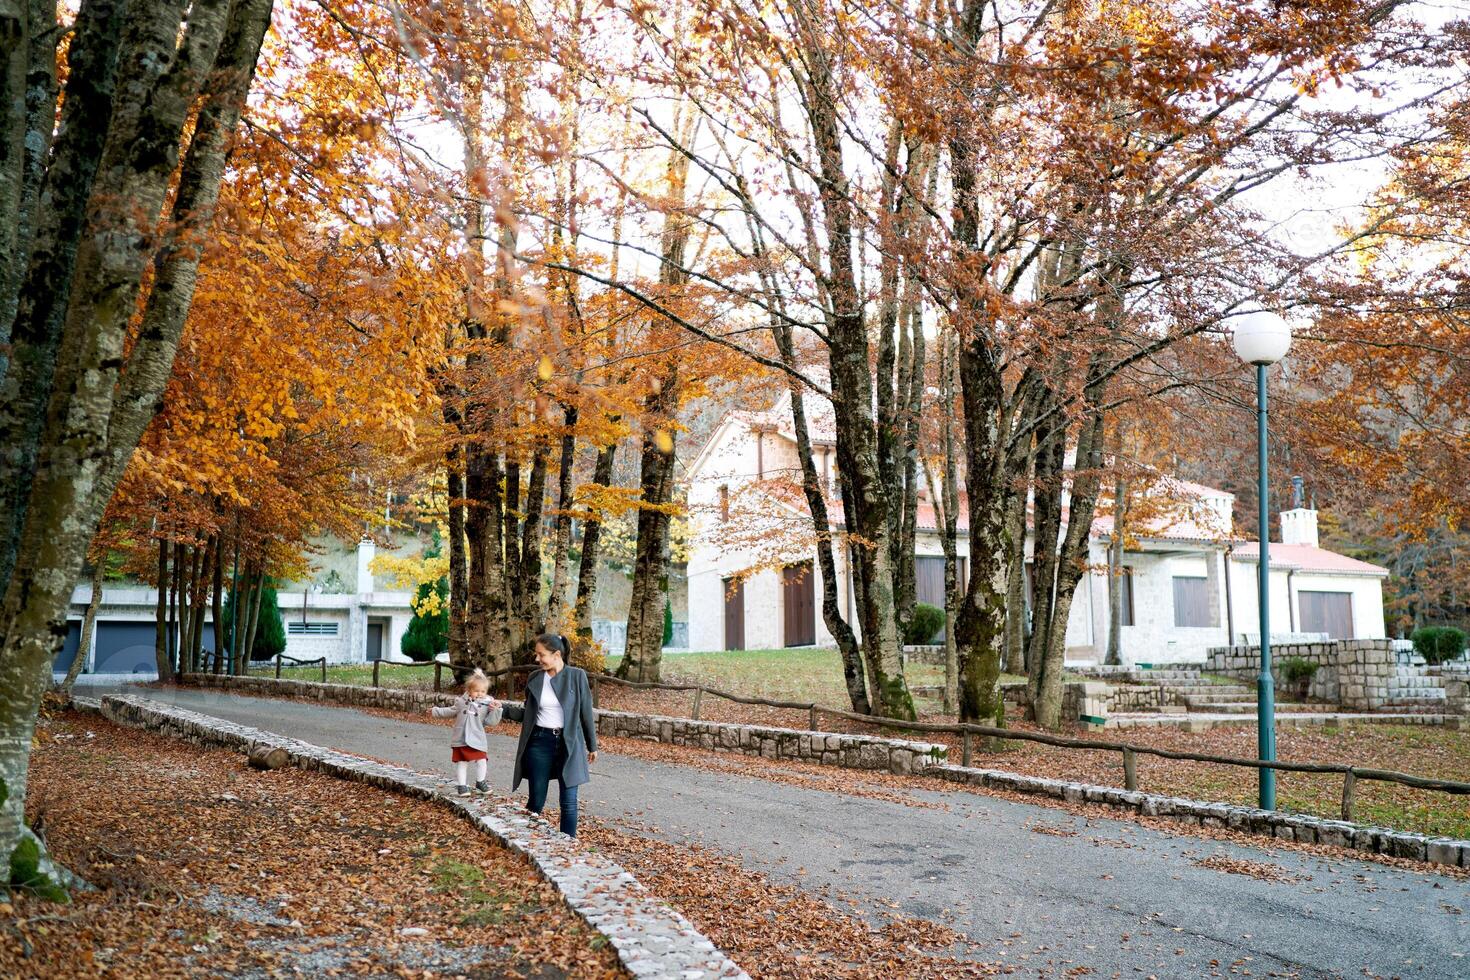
[1262, 338]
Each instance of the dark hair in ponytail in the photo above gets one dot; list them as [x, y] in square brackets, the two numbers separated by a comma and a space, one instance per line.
[553, 641]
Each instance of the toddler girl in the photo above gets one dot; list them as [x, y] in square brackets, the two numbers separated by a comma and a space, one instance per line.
[472, 711]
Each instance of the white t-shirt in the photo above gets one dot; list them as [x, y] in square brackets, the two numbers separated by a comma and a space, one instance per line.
[548, 708]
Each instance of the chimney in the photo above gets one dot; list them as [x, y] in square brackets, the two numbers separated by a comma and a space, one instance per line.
[365, 552]
[1299, 525]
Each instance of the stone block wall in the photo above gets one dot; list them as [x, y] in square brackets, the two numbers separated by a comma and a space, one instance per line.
[1357, 674]
[1085, 700]
[848, 751]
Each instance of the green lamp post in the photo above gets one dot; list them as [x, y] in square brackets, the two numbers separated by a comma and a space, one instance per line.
[1262, 338]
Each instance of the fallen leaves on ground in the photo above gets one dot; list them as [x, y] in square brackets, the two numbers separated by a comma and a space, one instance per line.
[205, 867]
[776, 930]
[1252, 869]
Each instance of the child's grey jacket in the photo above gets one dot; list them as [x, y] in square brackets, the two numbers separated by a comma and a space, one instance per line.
[470, 718]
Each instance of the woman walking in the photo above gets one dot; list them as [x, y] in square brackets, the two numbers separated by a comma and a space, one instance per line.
[558, 730]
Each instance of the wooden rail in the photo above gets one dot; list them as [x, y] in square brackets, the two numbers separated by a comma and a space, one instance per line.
[967, 731]
[322, 661]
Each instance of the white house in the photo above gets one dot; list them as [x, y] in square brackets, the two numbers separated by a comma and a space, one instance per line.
[1188, 584]
[344, 626]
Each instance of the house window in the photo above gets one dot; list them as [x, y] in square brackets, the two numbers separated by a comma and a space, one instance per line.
[1327, 612]
[311, 629]
[1125, 588]
[1191, 601]
[724, 503]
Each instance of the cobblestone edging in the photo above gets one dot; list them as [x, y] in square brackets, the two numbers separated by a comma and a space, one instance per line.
[651, 939]
[908, 757]
[1248, 819]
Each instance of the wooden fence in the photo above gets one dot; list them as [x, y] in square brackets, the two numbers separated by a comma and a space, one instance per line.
[968, 732]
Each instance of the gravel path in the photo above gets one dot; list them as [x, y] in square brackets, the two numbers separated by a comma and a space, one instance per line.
[1039, 887]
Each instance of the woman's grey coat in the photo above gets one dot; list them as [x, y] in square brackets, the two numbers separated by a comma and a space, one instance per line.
[471, 717]
[579, 722]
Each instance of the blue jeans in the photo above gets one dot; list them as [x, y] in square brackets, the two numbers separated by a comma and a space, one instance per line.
[546, 757]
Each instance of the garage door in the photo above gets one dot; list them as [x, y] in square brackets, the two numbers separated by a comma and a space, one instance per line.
[125, 648]
[69, 648]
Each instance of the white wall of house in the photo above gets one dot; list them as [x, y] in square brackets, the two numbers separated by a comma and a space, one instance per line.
[1366, 592]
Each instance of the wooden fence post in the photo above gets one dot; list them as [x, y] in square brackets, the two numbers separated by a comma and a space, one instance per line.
[278, 666]
[1130, 769]
[812, 718]
[1349, 790]
[965, 748]
[324, 670]
[376, 665]
[437, 667]
[698, 693]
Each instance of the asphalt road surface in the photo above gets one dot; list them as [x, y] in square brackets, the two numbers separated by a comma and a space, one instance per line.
[1105, 894]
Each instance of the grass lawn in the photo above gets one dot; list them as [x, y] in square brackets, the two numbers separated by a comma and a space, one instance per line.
[800, 674]
[391, 675]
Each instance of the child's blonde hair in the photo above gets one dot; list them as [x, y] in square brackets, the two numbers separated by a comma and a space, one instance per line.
[477, 679]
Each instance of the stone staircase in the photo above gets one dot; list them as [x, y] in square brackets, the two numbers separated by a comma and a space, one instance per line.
[1413, 687]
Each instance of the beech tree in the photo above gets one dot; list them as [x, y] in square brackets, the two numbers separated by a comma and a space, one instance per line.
[115, 197]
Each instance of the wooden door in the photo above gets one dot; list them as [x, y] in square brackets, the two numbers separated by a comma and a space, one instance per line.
[799, 593]
[1327, 612]
[734, 614]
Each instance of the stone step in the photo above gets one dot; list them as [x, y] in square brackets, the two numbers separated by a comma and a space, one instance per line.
[1436, 694]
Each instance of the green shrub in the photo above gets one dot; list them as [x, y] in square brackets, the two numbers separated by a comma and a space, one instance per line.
[1436, 644]
[926, 622]
[1296, 670]
[270, 631]
[427, 636]
[668, 624]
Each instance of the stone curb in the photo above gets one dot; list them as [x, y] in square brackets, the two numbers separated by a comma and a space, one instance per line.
[901, 756]
[652, 940]
[1248, 819]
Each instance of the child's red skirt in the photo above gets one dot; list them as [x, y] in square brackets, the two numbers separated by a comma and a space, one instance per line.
[463, 753]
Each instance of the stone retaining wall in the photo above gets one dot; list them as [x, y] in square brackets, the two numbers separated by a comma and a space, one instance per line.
[1269, 823]
[651, 939]
[1357, 674]
[1086, 701]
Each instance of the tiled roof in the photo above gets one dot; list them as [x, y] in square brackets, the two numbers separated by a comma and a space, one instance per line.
[1306, 558]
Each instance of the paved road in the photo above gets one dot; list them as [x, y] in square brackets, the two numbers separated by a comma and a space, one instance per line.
[1116, 897]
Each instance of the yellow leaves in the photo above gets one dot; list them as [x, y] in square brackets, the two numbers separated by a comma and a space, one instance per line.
[663, 441]
[544, 368]
[408, 573]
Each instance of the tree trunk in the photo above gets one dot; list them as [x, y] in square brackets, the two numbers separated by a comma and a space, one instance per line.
[458, 572]
[175, 602]
[89, 625]
[1115, 574]
[76, 395]
[201, 601]
[591, 533]
[561, 539]
[216, 598]
[858, 451]
[531, 617]
[643, 652]
[186, 611]
[160, 618]
[253, 623]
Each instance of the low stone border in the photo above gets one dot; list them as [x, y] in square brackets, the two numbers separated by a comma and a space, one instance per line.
[1249, 819]
[901, 756]
[651, 939]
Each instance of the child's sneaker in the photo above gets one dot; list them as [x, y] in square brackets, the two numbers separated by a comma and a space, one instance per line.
[460, 790]
[482, 785]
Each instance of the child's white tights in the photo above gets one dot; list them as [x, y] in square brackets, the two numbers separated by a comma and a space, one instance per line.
[462, 772]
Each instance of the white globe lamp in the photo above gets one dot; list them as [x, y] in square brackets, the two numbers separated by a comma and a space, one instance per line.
[1261, 337]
